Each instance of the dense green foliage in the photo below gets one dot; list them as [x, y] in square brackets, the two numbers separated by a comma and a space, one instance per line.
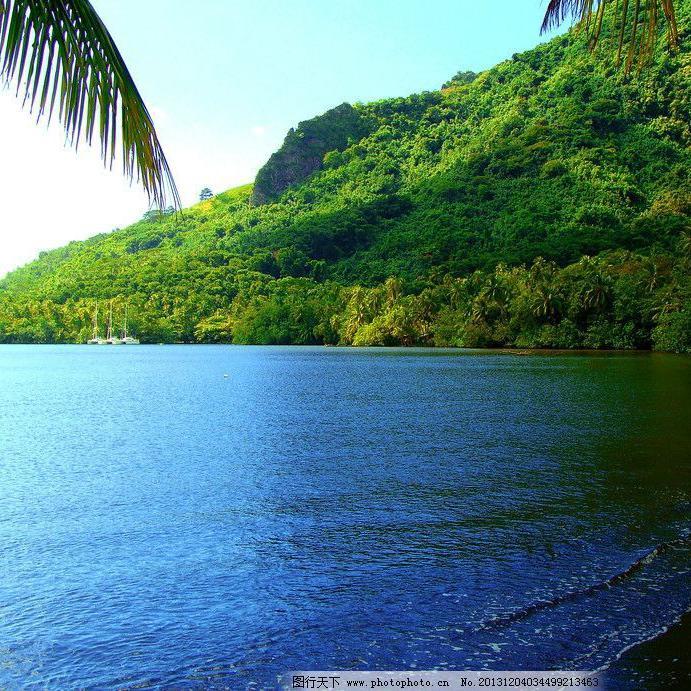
[543, 203]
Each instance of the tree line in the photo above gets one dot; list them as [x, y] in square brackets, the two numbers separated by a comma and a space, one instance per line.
[618, 299]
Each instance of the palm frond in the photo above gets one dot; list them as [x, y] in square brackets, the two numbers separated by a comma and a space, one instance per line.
[637, 22]
[62, 58]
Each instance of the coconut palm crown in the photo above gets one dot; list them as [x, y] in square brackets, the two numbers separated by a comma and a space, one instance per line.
[636, 23]
[63, 60]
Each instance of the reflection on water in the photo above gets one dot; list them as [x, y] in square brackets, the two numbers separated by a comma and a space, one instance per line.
[333, 508]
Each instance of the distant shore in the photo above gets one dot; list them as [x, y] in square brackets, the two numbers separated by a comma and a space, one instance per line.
[497, 350]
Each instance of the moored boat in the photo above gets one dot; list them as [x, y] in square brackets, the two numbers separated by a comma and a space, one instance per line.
[96, 338]
[128, 340]
[110, 338]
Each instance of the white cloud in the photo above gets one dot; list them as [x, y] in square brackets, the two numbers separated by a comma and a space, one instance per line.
[258, 130]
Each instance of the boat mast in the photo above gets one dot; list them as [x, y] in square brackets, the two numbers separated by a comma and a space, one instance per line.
[110, 323]
[125, 336]
[96, 321]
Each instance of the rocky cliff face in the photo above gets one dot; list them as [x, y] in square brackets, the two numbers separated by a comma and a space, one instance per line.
[303, 149]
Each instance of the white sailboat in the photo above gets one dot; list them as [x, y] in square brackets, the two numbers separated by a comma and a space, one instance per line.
[128, 340]
[96, 338]
[110, 339]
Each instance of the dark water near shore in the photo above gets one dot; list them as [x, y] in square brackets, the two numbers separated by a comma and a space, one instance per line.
[663, 661]
[161, 524]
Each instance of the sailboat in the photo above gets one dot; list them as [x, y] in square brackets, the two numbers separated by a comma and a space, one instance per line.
[110, 339]
[96, 337]
[128, 340]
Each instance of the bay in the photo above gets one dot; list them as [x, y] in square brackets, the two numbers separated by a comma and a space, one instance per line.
[214, 516]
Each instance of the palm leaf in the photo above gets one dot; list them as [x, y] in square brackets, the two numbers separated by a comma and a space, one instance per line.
[637, 22]
[62, 58]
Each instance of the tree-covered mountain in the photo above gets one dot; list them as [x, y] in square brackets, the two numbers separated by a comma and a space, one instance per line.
[544, 202]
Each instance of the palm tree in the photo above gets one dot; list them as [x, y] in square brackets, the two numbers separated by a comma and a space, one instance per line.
[636, 20]
[392, 288]
[546, 302]
[62, 58]
[596, 292]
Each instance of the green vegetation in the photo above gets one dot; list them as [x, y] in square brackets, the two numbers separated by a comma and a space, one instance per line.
[543, 203]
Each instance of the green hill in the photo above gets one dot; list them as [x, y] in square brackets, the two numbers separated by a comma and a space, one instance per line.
[542, 203]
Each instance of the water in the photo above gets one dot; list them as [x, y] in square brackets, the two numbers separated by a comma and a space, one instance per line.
[324, 508]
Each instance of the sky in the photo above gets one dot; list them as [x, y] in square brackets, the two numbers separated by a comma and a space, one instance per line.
[224, 83]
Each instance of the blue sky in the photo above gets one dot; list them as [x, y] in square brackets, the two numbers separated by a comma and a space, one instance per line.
[226, 80]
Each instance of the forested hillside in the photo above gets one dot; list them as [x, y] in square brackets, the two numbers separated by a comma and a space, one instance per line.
[542, 203]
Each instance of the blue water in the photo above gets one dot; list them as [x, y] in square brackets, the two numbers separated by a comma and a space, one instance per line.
[325, 508]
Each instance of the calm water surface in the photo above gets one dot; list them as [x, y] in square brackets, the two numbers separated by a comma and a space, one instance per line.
[325, 508]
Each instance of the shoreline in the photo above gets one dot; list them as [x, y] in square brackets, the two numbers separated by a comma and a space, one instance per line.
[659, 662]
[497, 350]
